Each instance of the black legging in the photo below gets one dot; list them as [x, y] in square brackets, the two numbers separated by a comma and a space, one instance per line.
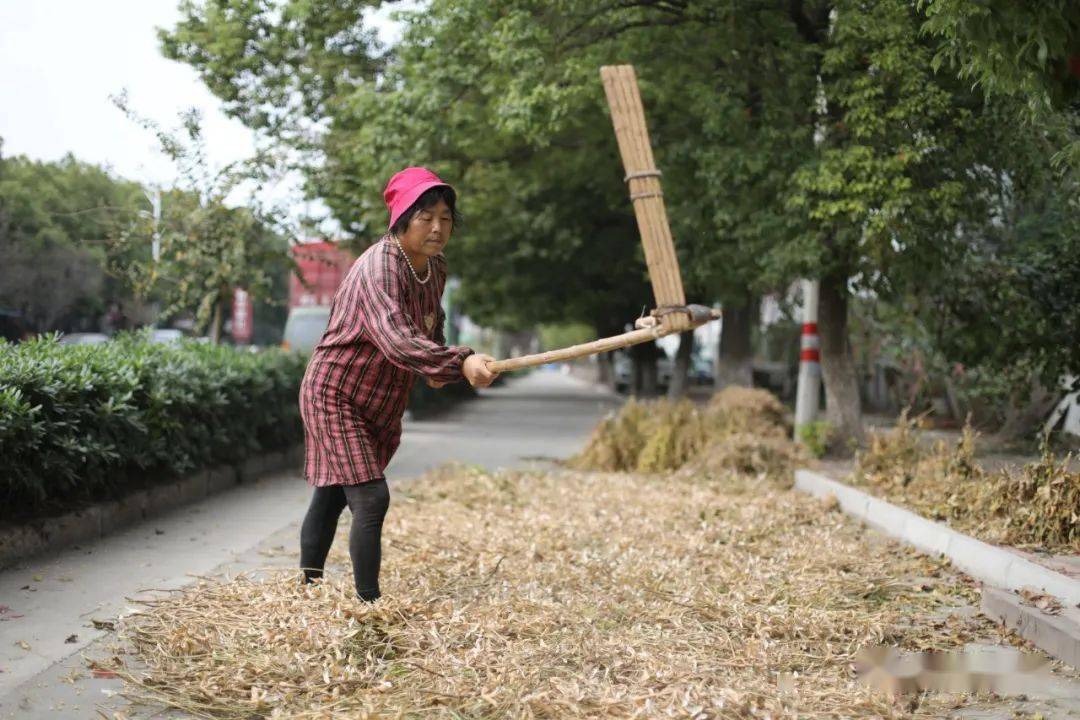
[368, 503]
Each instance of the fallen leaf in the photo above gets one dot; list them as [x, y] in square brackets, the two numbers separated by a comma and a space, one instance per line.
[72, 639]
[23, 644]
[6, 614]
[1046, 603]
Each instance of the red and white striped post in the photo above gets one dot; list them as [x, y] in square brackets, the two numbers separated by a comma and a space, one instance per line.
[809, 389]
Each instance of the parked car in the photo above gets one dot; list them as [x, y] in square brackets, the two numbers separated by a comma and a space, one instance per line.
[624, 371]
[701, 370]
[305, 327]
[86, 338]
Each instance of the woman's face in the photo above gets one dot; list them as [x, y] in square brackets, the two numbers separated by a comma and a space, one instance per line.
[429, 230]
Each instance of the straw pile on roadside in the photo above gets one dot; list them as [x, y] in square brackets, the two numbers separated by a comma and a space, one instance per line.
[740, 430]
[1037, 505]
[564, 595]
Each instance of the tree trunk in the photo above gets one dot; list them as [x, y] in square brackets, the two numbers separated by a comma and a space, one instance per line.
[215, 324]
[643, 376]
[680, 374]
[735, 358]
[1028, 407]
[649, 382]
[842, 408]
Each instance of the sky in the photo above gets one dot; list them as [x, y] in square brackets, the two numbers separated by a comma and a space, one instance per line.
[60, 60]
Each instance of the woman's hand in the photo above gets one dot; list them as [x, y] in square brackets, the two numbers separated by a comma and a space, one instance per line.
[476, 370]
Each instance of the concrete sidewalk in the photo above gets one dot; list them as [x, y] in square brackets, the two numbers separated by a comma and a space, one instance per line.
[54, 601]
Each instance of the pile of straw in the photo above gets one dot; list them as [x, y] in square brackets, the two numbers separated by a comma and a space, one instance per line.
[564, 595]
[1037, 505]
[740, 430]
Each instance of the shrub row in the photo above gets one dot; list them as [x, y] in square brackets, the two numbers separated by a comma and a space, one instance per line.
[83, 421]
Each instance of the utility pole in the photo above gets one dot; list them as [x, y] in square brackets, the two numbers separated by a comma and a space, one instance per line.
[809, 390]
[155, 202]
[808, 394]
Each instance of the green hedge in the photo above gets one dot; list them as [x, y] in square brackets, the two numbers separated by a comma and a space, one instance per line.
[426, 401]
[82, 421]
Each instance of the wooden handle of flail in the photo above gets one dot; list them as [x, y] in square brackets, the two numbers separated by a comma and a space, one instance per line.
[653, 327]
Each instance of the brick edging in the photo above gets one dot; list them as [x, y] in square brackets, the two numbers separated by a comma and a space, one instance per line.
[21, 541]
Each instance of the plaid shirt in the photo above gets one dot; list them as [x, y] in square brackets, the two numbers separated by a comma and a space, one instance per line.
[385, 328]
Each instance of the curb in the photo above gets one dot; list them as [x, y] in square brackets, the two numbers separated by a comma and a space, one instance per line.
[988, 563]
[1058, 635]
[1001, 572]
[20, 542]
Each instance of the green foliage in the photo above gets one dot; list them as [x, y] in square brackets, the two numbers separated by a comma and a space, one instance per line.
[75, 240]
[890, 179]
[505, 100]
[815, 437]
[208, 247]
[1009, 47]
[275, 65]
[58, 223]
[207, 250]
[82, 421]
[561, 335]
[1027, 50]
[838, 139]
[1015, 298]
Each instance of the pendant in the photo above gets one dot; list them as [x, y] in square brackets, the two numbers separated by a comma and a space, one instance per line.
[429, 321]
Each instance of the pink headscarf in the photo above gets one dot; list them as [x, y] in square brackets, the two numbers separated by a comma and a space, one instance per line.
[405, 187]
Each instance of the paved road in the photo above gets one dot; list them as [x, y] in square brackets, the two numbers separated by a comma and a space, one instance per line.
[532, 419]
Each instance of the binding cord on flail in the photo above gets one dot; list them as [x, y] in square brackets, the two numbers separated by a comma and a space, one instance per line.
[644, 174]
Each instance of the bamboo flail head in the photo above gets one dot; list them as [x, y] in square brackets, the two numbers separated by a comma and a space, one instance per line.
[646, 193]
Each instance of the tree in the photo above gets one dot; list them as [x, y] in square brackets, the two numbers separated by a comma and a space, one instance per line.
[1028, 51]
[58, 221]
[207, 248]
[1009, 304]
[894, 177]
[277, 66]
[507, 98]
[504, 98]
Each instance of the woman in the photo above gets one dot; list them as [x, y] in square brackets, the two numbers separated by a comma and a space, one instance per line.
[385, 327]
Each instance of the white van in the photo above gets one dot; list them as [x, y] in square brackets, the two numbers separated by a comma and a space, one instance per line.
[305, 327]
